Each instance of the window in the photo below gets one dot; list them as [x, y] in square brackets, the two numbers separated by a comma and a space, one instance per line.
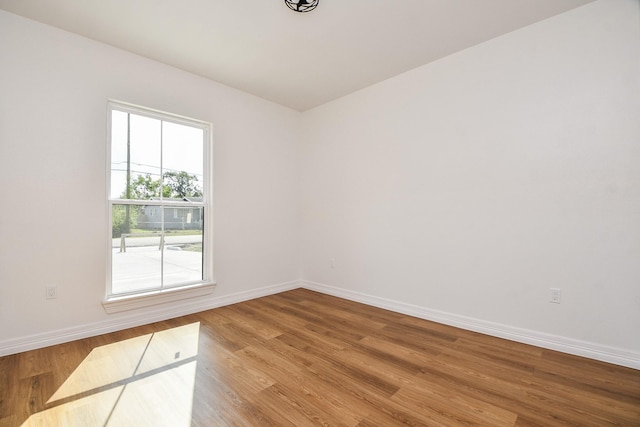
[159, 201]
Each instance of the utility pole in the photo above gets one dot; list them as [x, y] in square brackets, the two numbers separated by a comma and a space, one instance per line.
[127, 226]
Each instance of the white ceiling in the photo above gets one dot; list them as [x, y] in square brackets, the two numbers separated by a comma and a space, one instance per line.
[300, 60]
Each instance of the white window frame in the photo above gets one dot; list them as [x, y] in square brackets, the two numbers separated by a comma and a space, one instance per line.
[120, 302]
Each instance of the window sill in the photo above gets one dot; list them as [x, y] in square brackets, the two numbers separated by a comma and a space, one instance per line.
[117, 304]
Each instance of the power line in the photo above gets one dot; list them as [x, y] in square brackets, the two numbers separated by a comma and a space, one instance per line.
[150, 166]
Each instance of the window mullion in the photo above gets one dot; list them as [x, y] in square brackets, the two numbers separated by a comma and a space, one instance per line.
[176, 203]
[162, 241]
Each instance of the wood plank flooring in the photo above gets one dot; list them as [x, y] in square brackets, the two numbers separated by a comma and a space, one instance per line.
[301, 358]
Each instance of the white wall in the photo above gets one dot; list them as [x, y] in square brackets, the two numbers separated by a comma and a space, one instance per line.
[54, 88]
[470, 186]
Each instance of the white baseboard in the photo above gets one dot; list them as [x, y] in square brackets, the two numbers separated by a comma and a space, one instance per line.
[552, 342]
[158, 313]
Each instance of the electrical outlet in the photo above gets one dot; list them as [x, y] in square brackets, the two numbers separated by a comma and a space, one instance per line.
[555, 295]
[51, 292]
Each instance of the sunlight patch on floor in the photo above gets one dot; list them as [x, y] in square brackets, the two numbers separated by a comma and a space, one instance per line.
[143, 381]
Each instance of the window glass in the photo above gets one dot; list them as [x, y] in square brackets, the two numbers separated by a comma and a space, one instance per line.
[158, 197]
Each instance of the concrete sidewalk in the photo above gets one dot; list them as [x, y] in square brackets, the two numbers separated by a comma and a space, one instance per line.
[143, 266]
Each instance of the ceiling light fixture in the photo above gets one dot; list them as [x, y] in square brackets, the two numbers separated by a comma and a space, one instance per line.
[302, 5]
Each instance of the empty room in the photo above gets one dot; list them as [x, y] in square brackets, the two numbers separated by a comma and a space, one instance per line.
[320, 212]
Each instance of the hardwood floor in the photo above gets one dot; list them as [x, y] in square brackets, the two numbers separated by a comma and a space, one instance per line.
[302, 358]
